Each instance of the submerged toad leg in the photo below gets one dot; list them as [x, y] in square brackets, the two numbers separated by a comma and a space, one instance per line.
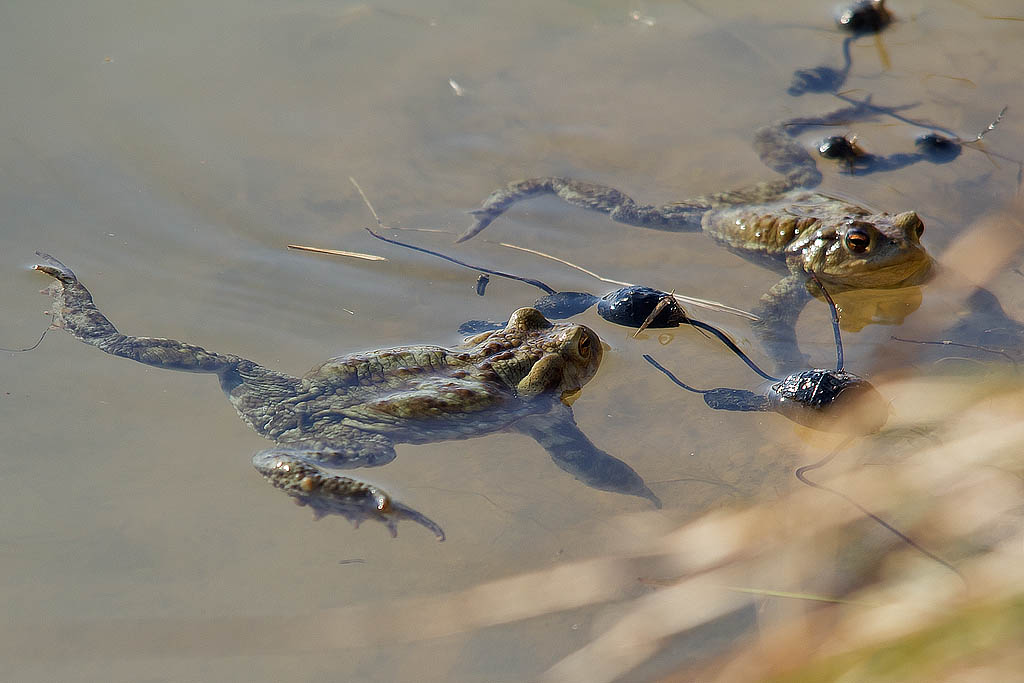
[779, 310]
[256, 393]
[287, 468]
[572, 451]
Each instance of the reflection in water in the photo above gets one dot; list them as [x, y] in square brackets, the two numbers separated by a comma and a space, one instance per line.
[984, 330]
[878, 307]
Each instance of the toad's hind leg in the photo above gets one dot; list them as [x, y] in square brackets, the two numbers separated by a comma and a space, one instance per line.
[73, 309]
[289, 469]
[251, 388]
[678, 217]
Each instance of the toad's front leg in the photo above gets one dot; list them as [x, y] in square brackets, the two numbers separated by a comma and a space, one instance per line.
[779, 310]
[292, 471]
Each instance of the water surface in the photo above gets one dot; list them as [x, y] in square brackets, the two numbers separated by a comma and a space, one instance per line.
[167, 153]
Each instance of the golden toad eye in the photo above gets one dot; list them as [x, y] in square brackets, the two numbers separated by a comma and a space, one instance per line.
[858, 241]
[584, 348]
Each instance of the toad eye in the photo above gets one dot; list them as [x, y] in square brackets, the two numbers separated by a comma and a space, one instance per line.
[585, 346]
[858, 241]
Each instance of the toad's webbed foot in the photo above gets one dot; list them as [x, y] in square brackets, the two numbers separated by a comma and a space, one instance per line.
[331, 494]
[681, 216]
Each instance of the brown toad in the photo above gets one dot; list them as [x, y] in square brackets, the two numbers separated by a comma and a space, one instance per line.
[778, 222]
[350, 411]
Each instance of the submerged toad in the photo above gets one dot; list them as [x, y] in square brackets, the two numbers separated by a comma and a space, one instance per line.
[352, 410]
[779, 222]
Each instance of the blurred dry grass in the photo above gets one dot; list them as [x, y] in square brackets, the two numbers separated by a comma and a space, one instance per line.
[889, 613]
[836, 597]
[948, 471]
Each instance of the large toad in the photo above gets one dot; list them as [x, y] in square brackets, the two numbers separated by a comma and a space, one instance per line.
[351, 411]
[778, 222]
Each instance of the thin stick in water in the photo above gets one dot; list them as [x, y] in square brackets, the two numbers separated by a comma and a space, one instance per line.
[366, 201]
[947, 342]
[530, 281]
[692, 301]
[535, 252]
[337, 252]
[663, 303]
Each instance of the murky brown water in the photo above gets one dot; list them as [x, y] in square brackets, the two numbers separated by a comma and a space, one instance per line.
[168, 153]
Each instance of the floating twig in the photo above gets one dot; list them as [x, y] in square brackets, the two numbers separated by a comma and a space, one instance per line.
[439, 231]
[337, 252]
[947, 342]
[530, 281]
[666, 300]
[536, 252]
[690, 300]
[366, 200]
[340, 252]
